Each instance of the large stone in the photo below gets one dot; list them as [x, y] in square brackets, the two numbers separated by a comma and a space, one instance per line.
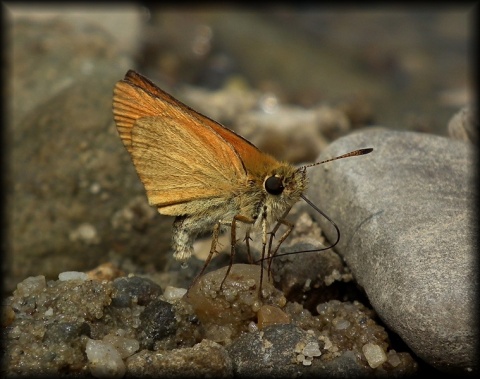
[72, 193]
[407, 232]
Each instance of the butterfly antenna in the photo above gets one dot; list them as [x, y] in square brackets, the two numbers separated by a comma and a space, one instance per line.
[354, 153]
[337, 229]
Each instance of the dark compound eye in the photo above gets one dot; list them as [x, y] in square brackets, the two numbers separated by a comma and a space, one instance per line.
[274, 185]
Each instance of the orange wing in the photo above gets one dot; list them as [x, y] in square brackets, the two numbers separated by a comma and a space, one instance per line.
[178, 155]
[250, 155]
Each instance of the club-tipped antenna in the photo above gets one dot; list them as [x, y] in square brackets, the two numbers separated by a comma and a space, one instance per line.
[350, 154]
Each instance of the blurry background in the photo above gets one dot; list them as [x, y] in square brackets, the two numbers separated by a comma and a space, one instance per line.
[289, 78]
[409, 66]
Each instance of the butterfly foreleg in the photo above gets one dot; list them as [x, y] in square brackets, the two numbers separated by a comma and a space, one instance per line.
[233, 239]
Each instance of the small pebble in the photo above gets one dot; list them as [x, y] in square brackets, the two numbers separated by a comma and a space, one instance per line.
[173, 293]
[312, 349]
[342, 324]
[271, 315]
[72, 275]
[86, 233]
[31, 286]
[104, 360]
[49, 312]
[125, 346]
[374, 354]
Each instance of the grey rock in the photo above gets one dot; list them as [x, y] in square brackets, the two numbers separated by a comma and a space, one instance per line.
[406, 218]
[464, 125]
[123, 21]
[135, 288]
[273, 353]
[66, 331]
[158, 321]
[49, 55]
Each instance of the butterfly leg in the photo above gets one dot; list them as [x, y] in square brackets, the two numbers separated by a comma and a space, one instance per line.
[233, 239]
[264, 245]
[247, 243]
[284, 236]
[213, 249]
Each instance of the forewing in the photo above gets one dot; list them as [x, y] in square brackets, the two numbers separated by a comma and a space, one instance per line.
[177, 155]
[254, 161]
[178, 164]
